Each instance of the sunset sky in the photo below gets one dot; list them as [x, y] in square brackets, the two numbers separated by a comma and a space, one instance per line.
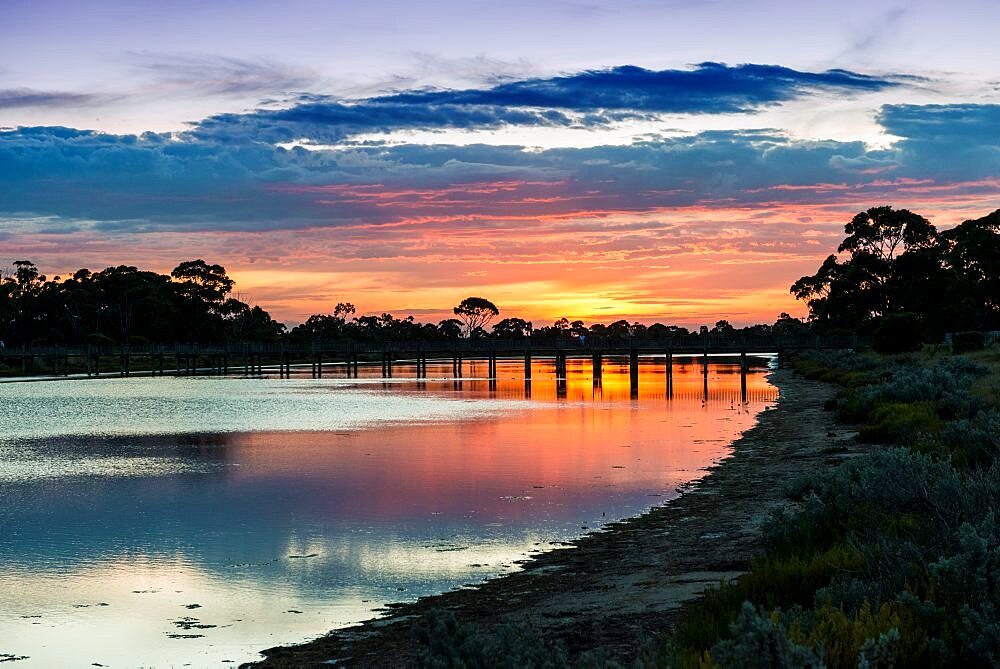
[675, 160]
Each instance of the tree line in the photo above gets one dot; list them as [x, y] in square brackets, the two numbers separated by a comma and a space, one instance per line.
[892, 266]
[123, 304]
[195, 303]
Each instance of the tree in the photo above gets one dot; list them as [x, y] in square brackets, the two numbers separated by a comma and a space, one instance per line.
[722, 328]
[512, 328]
[343, 310]
[972, 258]
[893, 265]
[476, 313]
[450, 328]
[209, 283]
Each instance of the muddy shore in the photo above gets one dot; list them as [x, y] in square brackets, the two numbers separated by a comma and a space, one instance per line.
[617, 587]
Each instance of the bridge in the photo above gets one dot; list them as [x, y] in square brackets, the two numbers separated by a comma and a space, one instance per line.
[323, 357]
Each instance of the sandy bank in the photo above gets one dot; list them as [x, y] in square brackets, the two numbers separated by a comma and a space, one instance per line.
[617, 587]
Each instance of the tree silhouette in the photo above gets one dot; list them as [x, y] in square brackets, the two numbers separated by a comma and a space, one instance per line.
[897, 262]
[511, 328]
[476, 313]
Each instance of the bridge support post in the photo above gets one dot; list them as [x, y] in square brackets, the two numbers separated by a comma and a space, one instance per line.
[355, 361]
[743, 376]
[560, 374]
[527, 370]
[633, 372]
[597, 367]
[670, 373]
[492, 366]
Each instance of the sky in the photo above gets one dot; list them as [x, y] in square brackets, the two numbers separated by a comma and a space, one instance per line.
[680, 161]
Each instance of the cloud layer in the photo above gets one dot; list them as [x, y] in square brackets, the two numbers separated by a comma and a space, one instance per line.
[634, 229]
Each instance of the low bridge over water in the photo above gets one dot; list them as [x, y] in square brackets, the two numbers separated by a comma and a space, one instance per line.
[253, 358]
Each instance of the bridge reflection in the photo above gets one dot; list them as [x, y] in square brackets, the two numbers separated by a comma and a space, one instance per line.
[721, 380]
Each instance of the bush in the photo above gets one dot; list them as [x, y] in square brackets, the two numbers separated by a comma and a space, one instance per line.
[897, 422]
[963, 342]
[450, 644]
[761, 641]
[98, 339]
[898, 333]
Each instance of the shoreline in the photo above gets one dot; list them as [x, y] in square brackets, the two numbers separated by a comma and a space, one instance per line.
[618, 587]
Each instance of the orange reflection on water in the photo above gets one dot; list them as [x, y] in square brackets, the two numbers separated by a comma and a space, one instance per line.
[553, 454]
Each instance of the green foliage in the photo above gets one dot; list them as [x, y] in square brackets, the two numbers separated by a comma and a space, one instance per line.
[447, 643]
[891, 558]
[898, 422]
[762, 642]
[898, 333]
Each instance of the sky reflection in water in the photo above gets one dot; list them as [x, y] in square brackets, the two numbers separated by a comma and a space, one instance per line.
[282, 508]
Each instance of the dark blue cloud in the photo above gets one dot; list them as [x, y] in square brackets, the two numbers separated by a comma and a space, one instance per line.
[152, 181]
[960, 141]
[965, 122]
[591, 98]
[708, 88]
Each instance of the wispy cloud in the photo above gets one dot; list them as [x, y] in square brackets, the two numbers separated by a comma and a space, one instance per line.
[29, 97]
[208, 74]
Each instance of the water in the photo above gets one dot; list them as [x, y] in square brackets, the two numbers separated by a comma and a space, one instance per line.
[194, 521]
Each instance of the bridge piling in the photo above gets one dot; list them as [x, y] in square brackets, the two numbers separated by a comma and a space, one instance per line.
[669, 364]
[633, 371]
[561, 365]
[597, 366]
[527, 371]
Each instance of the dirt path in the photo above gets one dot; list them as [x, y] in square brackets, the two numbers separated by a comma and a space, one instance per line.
[621, 585]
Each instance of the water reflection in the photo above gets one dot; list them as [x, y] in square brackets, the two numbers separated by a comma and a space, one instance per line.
[337, 497]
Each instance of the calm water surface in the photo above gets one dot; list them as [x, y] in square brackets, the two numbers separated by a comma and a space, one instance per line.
[193, 521]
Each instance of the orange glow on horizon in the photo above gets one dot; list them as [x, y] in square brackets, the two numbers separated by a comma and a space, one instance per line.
[528, 247]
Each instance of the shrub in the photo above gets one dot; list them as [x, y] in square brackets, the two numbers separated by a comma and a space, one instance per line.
[973, 440]
[898, 422]
[898, 333]
[98, 339]
[761, 641]
[963, 342]
[450, 644]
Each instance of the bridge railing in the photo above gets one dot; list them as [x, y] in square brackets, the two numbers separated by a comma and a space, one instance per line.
[606, 345]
